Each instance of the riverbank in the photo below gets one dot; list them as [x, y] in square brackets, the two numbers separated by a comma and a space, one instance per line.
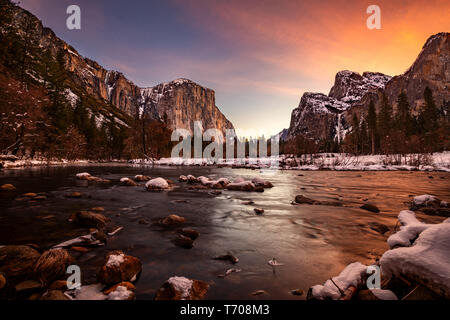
[316, 162]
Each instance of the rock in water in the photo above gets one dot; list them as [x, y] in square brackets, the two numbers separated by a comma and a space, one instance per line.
[157, 184]
[370, 207]
[183, 241]
[188, 232]
[89, 219]
[227, 257]
[141, 178]
[302, 199]
[181, 288]
[378, 227]
[171, 220]
[18, 261]
[52, 265]
[2, 281]
[119, 267]
[127, 182]
[7, 187]
[259, 211]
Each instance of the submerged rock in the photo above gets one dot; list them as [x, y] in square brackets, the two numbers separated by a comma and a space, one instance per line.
[181, 288]
[119, 267]
[304, 200]
[183, 241]
[52, 265]
[378, 227]
[17, 261]
[74, 195]
[370, 207]
[228, 257]
[297, 292]
[54, 295]
[241, 186]
[7, 187]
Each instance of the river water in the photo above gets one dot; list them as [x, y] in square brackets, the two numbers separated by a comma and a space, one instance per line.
[313, 242]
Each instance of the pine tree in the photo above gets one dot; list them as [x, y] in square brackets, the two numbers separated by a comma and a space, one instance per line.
[372, 124]
[430, 120]
[355, 133]
[385, 117]
[403, 117]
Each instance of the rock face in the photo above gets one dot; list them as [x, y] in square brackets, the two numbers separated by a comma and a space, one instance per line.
[184, 101]
[329, 117]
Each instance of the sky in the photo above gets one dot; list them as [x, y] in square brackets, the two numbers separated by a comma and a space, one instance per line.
[259, 56]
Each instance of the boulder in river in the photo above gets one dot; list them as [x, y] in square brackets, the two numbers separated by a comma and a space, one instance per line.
[89, 219]
[300, 199]
[52, 265]
[258, 182]
[171, 220]
[259, 211]
[2, 281]
[127, 182]
[141, 178]
[370, 207]
[17, 261]
[157, 184]
[119, 267]
[241, 186]
[181, 288]
[74, 195]
[182, 178]
[7, 187]
[190, 233]
[183, 241]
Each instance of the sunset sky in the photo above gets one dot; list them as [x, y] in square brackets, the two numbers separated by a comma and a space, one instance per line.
[259, 56]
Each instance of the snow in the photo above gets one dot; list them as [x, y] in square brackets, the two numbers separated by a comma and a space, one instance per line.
[409, 230]
[427, 259]
[90, 292]
[121, 293]
[125, 180]
[158, 183]
[182, 285]
[71, 97]
[83, 175]
[115, 260]
[351, 276]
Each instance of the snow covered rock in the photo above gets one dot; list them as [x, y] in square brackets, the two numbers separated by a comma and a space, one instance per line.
[83, 176]
[425, 200]
[181, 288]
[119, 267]
[421, 252]
[351, 276]
[157, 184]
